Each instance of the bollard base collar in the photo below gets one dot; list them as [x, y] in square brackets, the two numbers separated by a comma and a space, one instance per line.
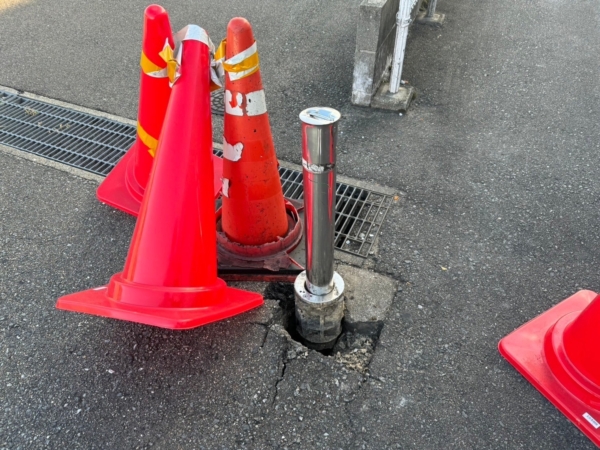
[303, 294]
[319, 317]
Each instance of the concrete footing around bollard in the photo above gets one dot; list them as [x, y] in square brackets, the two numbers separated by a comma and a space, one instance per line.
[399, 102]
[360, 308]
[319, 317]
[368, 297]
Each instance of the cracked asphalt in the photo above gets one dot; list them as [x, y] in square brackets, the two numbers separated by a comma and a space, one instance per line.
[495, 165]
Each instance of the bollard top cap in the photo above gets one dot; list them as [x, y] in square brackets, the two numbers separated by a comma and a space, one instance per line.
[320, 115]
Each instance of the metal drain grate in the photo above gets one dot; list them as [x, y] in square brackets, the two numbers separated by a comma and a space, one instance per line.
[358, 216]
[75, 138]
[95, 144]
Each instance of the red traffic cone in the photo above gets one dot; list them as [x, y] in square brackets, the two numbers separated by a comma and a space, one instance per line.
[557, 352]
[253, 207]
[256, 225]
[170, 276]
[124, 186]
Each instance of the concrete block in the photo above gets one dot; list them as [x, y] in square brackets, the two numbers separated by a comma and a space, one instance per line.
[399, 102]
[375, 39]
[375, 35]
[369, 24]
[368, 298]
[362, 86]
[436, 20]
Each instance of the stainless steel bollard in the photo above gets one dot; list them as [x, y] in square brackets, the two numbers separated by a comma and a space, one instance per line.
[319, 291]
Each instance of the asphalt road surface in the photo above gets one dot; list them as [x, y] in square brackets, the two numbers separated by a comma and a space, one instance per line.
[496, 164]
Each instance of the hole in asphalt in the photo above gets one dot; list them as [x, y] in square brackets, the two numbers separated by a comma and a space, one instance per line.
[354, 348]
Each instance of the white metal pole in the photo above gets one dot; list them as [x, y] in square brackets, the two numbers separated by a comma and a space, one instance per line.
[402, 23]
[431, 8]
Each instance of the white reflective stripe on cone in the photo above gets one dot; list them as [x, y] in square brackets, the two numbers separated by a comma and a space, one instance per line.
[225, 188]
[232, 152]
[254, 105]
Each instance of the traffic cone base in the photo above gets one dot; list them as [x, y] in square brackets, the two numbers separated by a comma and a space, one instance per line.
[219, 302]
[121, 190]
[272, 256]
[115, 191]
[537, 351]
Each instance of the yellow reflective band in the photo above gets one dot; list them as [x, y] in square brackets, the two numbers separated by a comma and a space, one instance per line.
[241, 65]
[167, 55]
[148, 66]
[220, 52]
[236, 76]
[147, 140]
[249, 63]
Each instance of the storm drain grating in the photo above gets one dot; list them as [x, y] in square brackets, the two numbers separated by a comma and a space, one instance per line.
[95, 144]
[359, 212]
[75, 138]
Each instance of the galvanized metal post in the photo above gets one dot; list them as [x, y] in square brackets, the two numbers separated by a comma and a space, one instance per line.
[319, 290]
[402, 23]
[430, 17]
[431, 8]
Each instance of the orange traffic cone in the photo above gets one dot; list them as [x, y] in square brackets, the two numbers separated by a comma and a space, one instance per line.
[557, 352]
[254, 212]
[170, 275]
[124, 186]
